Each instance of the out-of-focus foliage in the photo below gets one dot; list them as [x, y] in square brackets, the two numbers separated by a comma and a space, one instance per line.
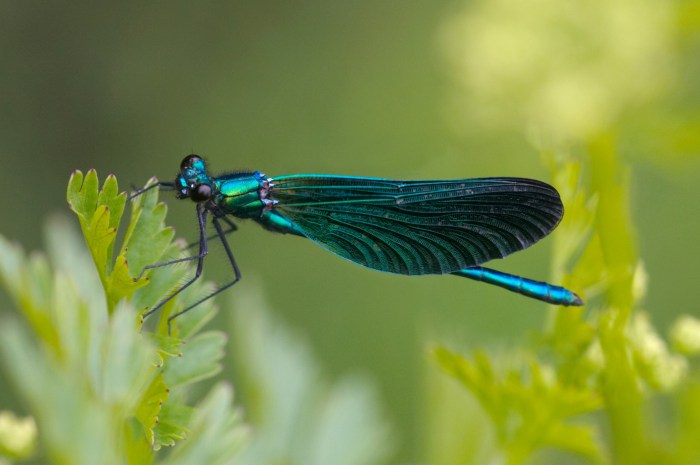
[569, 72]
[608, 358]
[582, 81]
[17, 437]
[299, 418]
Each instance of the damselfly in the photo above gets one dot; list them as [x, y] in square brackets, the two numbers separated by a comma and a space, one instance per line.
[403, 227]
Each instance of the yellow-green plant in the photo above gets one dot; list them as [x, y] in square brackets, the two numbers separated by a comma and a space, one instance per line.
[101, 389]
[579, 79]
[603, 359]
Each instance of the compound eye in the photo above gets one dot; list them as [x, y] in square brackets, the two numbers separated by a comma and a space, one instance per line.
[189, 161]
[200, 192]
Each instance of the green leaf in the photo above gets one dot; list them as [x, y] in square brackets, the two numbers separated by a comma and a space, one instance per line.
[148, 410]
[82, 195]
[99, 214]
[120, 284]
[193, 321]
[529, 410]
[116, 201]
[139, 451]
[92, 377]
[162, 282]
[216, 435]
[204, 353]
[605, 356]
[147, 238]
[172, 425]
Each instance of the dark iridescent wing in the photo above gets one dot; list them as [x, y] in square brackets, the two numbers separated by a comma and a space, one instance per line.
[418, 227]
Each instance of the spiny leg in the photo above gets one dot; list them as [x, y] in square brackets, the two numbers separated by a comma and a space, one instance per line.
[222, 235]
[203, 250]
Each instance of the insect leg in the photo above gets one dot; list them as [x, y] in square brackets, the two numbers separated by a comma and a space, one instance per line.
[222, 235]
[231, 227]
[203, 250]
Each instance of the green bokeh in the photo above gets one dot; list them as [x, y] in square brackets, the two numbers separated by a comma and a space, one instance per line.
[361, 88]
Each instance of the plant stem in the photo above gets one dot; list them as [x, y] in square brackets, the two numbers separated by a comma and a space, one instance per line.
[613, 224]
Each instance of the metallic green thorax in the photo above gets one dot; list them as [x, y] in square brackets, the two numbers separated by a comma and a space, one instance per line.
[241, 194]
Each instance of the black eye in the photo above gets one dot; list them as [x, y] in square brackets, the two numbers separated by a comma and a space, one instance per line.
[189, 161]
[200, 193]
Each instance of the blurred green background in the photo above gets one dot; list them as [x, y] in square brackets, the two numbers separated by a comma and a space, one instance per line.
[361, 88]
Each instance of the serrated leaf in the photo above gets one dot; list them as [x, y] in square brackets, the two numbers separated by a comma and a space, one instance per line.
[216, 433]
[110, 196]
[168, 346]
[120, 285]
[147, 242]
[153, 240]
[115, 202]
[148, 409]
[189, 323]
[162, 282]
[94, 373]
[99, 212]
[147, 237]
[99, 238]
[172, 425]
[203, 360]
[82, 195]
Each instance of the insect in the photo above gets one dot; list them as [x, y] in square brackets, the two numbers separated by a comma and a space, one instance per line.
[403, 227]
